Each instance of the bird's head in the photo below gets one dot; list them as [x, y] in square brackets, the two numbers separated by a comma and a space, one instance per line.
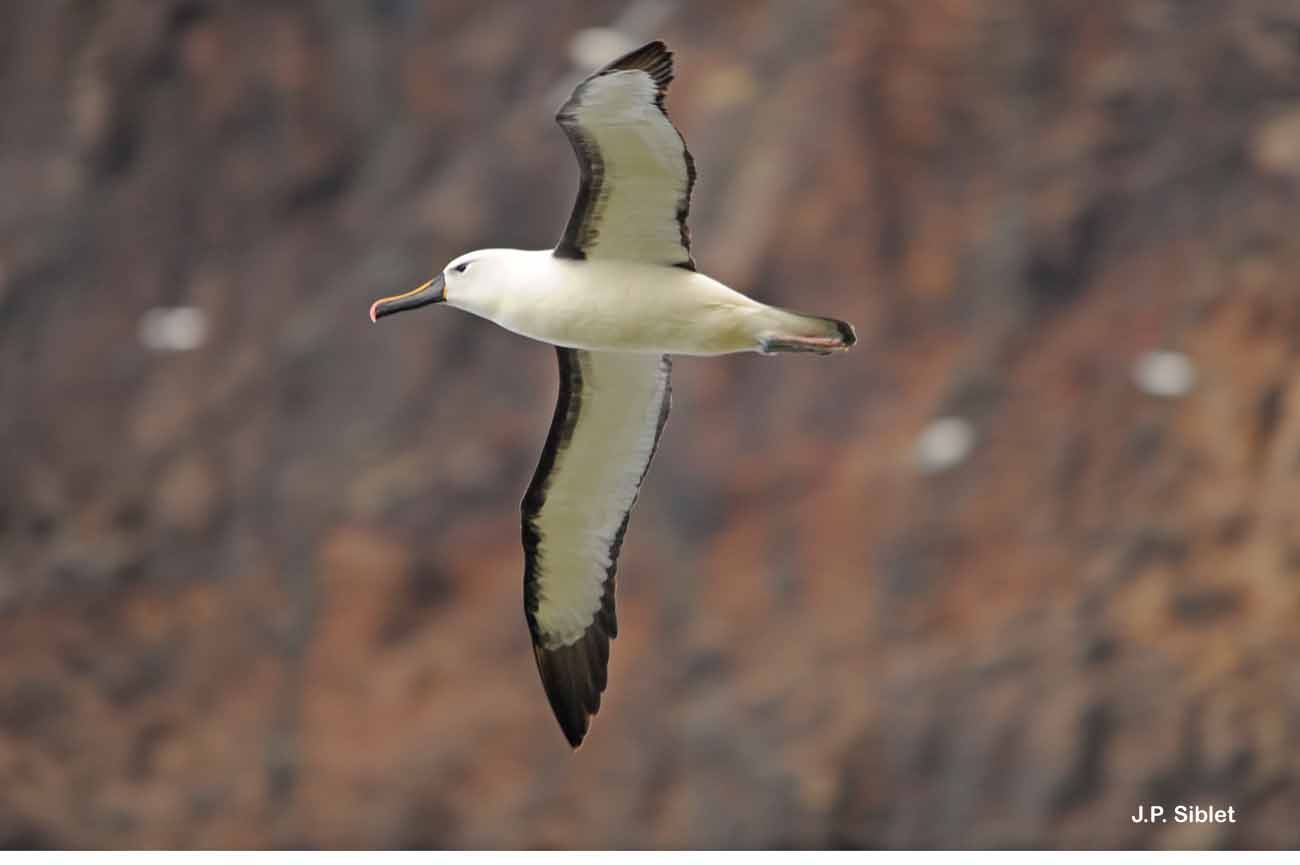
[469, 282]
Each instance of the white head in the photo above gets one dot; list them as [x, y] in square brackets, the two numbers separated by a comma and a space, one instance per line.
[474, 282]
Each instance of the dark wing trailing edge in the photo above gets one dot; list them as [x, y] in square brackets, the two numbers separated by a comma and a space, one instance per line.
[634, 193]
[611, 412]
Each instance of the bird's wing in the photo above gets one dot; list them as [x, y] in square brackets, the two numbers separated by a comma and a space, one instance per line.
[636, 173]
[607, 422]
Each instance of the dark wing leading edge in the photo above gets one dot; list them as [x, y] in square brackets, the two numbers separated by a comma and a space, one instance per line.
[611, 411]
[636, 173]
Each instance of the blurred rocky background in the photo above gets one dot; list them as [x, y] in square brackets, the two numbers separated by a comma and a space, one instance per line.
[1027, 558]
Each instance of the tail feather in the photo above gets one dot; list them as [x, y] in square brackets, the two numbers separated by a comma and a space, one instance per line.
[787, 331]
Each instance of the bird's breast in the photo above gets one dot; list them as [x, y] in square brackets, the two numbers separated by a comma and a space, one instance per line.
[599, 307]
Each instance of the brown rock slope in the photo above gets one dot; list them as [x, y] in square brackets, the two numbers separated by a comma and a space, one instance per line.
[267, 592]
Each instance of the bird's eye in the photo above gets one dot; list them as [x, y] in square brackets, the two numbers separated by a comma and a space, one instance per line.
[460, 268]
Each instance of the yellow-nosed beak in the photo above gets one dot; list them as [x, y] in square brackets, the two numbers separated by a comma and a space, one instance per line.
[431, 292]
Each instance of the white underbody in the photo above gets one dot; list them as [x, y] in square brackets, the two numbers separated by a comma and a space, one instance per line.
[612, 305]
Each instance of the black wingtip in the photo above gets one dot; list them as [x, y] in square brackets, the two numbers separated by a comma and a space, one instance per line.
[654, 58]
[574, 677]
[638, 58]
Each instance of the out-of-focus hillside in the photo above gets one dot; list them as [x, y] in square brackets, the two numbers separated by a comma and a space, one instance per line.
[267, 592]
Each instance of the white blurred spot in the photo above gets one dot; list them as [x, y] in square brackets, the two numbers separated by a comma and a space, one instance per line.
[945, 443]
[1167, 374]
[1275, 146]
[173, 328]
[596, 46]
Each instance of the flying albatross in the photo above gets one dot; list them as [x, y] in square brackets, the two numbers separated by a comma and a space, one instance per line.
[616, 297]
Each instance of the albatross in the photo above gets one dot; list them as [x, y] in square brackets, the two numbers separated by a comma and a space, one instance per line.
[617, 296]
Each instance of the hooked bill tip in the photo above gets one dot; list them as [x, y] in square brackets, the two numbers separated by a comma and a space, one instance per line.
[373, 317]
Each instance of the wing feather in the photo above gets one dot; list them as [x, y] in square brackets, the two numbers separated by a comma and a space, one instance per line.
[636, 174]
[608, 419]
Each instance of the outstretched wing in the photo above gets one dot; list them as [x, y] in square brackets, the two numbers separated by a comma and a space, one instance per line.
[611, 411]
[637, 175]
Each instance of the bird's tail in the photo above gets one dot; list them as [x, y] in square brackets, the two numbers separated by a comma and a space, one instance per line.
[785, 331]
